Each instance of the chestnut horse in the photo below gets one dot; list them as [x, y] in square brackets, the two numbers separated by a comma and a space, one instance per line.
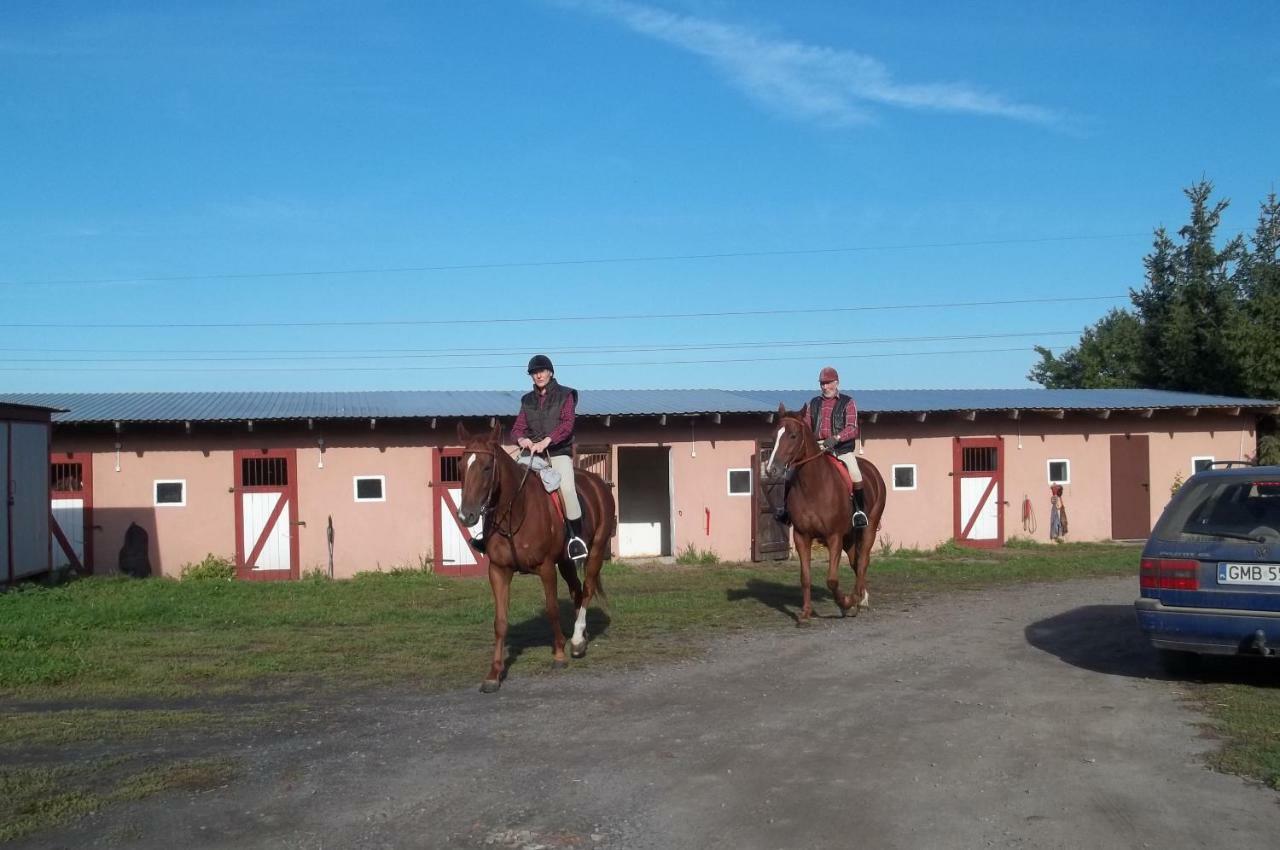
[526, 534]
[818, 502]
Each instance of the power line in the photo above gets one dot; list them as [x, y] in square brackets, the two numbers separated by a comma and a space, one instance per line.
[407, 354]
[511, 366]
[569, 262]
[718, 314]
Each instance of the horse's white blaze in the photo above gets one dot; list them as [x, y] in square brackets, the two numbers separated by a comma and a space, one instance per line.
[471, 458]
[777, 439]
[580, 626]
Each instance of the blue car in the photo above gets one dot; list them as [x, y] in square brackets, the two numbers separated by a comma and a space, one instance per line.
[1210, 575]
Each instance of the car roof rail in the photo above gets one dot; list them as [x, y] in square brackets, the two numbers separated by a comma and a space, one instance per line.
[1228, 464]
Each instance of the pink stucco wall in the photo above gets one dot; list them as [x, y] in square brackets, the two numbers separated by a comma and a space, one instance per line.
[399, 531]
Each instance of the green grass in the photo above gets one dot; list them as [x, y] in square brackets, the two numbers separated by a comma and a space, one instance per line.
[108, 637]
[1247, 718]
[93, 662]
[40, 797]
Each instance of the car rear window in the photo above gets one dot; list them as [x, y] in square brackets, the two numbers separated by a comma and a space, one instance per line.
[1224, 505]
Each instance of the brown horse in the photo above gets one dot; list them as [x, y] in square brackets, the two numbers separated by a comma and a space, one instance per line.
[818, 502]
[525, 534]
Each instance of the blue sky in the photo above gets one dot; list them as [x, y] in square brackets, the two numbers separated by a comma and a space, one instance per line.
[960, 152]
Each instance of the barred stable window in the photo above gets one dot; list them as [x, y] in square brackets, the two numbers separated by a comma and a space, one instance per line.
[739, 482]
[371, 488]
[1059, 471]
[171, 494]
[1200, 463]
[904, 476]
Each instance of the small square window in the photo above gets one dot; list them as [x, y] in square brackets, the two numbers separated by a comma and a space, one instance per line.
[370, 488]
[740, 482]
[171, 494]
[1059, 472]
[904, 476]
[1200, 464]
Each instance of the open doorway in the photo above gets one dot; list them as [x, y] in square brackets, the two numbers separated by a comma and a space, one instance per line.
[644, 502]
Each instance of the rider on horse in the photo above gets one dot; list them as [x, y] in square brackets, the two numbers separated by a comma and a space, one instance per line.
[545, 424]
[833, 417]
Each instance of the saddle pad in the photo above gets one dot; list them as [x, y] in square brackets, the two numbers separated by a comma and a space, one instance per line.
[844, 472]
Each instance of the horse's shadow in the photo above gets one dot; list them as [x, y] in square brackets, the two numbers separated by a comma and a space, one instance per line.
[786, 599]
[534, 633]
[1106, 639]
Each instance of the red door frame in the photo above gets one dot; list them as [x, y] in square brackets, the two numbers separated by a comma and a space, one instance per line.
[444, 510]
[85, 494]
[289, 499]
[962, 526]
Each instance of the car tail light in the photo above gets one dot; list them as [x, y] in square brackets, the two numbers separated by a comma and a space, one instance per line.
[1170, 574]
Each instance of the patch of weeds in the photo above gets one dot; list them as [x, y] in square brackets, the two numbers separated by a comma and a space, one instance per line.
[212, 568]
[693, 556]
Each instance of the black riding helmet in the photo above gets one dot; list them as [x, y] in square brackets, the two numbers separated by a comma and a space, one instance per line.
[539, 362]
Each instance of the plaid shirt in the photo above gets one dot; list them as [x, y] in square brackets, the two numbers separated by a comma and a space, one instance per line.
[823, 429]
[560, 433]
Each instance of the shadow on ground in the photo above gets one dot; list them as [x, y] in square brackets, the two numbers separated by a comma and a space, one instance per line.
[787, 598]
[1106, 639]
[535, 634]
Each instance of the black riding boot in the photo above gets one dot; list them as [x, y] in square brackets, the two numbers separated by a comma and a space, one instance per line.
[575, 546]
[859, 509]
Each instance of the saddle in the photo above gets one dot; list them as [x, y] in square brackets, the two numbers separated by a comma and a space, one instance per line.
[844, 472]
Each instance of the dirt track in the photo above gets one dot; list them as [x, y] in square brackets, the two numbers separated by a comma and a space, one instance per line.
[1024, 717]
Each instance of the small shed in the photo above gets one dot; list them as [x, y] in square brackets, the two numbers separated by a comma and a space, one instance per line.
[25, 435]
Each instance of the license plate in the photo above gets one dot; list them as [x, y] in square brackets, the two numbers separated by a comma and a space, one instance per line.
[1249, 574]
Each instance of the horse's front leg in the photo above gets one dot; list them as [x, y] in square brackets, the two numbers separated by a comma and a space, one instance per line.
[500, 583]
[804, 548]
[835, 548]
[547, 572]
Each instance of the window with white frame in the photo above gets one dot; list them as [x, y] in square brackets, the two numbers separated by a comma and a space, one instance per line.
[1059, 471]
[370, 488]
[904, 476]
[1201, 463]
[171, 493]
[739, 482]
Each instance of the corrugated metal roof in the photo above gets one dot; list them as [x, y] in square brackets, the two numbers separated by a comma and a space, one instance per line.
[265, 406]
[923, 401]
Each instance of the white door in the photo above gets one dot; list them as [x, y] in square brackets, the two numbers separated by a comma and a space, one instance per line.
[453, 541]
[266, 531]
[979, 508]
[69, 515]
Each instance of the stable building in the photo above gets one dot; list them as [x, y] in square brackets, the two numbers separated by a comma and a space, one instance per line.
[287, 483]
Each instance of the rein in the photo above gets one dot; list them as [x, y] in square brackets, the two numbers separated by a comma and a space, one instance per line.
[499, 517]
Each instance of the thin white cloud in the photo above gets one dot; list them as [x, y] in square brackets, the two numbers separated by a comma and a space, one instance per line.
[808, 81]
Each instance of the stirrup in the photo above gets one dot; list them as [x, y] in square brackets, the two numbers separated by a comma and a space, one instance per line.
[479, 543]
[860, 519]
[581, 545]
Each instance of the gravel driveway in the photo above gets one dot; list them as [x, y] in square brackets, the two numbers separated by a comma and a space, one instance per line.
[1028, 716]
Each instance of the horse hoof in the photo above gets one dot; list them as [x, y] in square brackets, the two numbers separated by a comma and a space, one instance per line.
[559, 664]
[865, 601]
[803, 622]
[578, 651]
[490, 686]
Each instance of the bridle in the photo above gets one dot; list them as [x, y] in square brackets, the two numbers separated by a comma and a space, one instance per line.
[486, 506]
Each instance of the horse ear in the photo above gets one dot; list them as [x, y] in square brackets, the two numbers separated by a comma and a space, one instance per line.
[463, 434]
[495, 434]
[782, 410]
